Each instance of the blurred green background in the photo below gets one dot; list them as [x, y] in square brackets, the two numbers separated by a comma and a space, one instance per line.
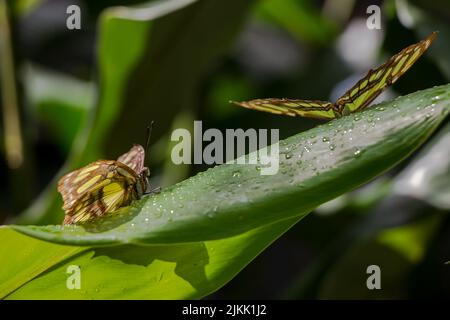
[74, 96]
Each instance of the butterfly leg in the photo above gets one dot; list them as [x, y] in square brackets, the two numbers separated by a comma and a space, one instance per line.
[153, 191]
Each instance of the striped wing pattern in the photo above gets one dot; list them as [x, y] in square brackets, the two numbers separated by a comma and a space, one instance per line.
[292, 107]
[355, 99]
[96, 189]
[378, 79]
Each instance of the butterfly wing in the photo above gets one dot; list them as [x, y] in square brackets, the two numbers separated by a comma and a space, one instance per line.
[134, 158]
[292, 107]
[69, 183]
[378, 79]
[96, 189]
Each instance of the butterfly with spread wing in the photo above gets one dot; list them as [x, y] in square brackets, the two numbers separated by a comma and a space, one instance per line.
[104, 186]
[355, 99]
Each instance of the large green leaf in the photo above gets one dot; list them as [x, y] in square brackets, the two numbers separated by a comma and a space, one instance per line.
[181, 47]
[38, 270]
[315, 167]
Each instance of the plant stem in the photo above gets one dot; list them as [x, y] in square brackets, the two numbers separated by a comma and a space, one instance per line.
[17, 151]
[11, 119]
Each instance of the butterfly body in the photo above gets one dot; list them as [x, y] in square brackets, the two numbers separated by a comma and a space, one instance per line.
[356, 98]
[104, 186]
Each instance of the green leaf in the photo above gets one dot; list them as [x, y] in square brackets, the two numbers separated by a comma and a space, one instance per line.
[315, 166]
[176, 43]
[300, 18]
[179, 271]
[27, 258]
[56, 96]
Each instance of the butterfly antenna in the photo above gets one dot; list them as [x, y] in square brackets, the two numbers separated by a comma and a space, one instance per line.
[149, 134]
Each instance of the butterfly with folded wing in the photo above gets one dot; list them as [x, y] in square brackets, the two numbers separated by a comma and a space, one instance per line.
[356, 98]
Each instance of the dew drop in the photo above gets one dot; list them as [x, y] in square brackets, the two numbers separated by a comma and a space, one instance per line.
[436, 98]
[236, 174]
[325, 139]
